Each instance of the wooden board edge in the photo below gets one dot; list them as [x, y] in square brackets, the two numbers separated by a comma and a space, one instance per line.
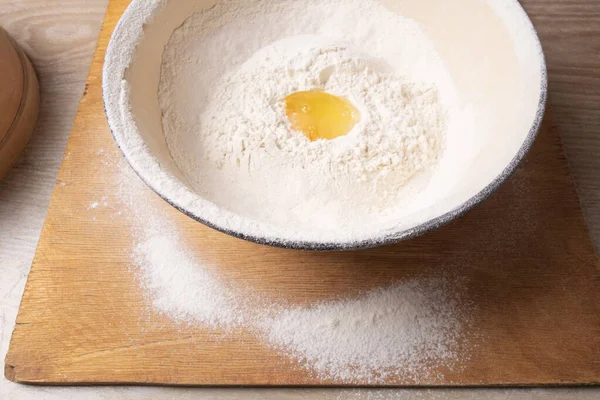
[9, 373]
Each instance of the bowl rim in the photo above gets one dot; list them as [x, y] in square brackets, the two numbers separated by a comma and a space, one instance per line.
[388, 238]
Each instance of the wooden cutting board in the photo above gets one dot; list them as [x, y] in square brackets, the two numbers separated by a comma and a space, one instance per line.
[527, 263]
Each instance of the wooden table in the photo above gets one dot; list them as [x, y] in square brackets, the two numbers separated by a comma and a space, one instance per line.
[60, 36]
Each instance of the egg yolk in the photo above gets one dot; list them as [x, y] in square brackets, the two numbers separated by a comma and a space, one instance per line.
[320, 115]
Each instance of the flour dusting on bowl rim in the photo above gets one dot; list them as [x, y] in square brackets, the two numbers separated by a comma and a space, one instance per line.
[120, 53]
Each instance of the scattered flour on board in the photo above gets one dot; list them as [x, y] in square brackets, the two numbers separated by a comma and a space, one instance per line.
[410, 328]
[407, 329]
[176, 282]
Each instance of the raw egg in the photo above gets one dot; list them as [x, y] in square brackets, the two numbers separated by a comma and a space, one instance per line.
[320, 115]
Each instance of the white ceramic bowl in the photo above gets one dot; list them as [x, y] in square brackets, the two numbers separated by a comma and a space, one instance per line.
[489, 47]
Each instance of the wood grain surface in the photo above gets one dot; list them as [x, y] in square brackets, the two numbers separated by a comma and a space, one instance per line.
[570, 34]
[525, 256]
[60, 35]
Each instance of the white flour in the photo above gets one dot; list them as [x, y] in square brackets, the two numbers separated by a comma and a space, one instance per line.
[173, 277]
[224, 76]
[178, 285]
[406, 329]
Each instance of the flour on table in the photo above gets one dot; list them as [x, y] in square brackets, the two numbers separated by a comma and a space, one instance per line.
[408, 329]
[225, 74]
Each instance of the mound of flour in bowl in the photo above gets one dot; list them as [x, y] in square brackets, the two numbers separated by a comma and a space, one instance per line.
[226, 72]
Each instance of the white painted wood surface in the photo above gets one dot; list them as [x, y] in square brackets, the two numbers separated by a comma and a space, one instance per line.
[60, 36]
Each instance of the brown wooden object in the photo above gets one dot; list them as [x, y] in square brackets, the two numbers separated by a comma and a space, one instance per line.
[19, 101]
